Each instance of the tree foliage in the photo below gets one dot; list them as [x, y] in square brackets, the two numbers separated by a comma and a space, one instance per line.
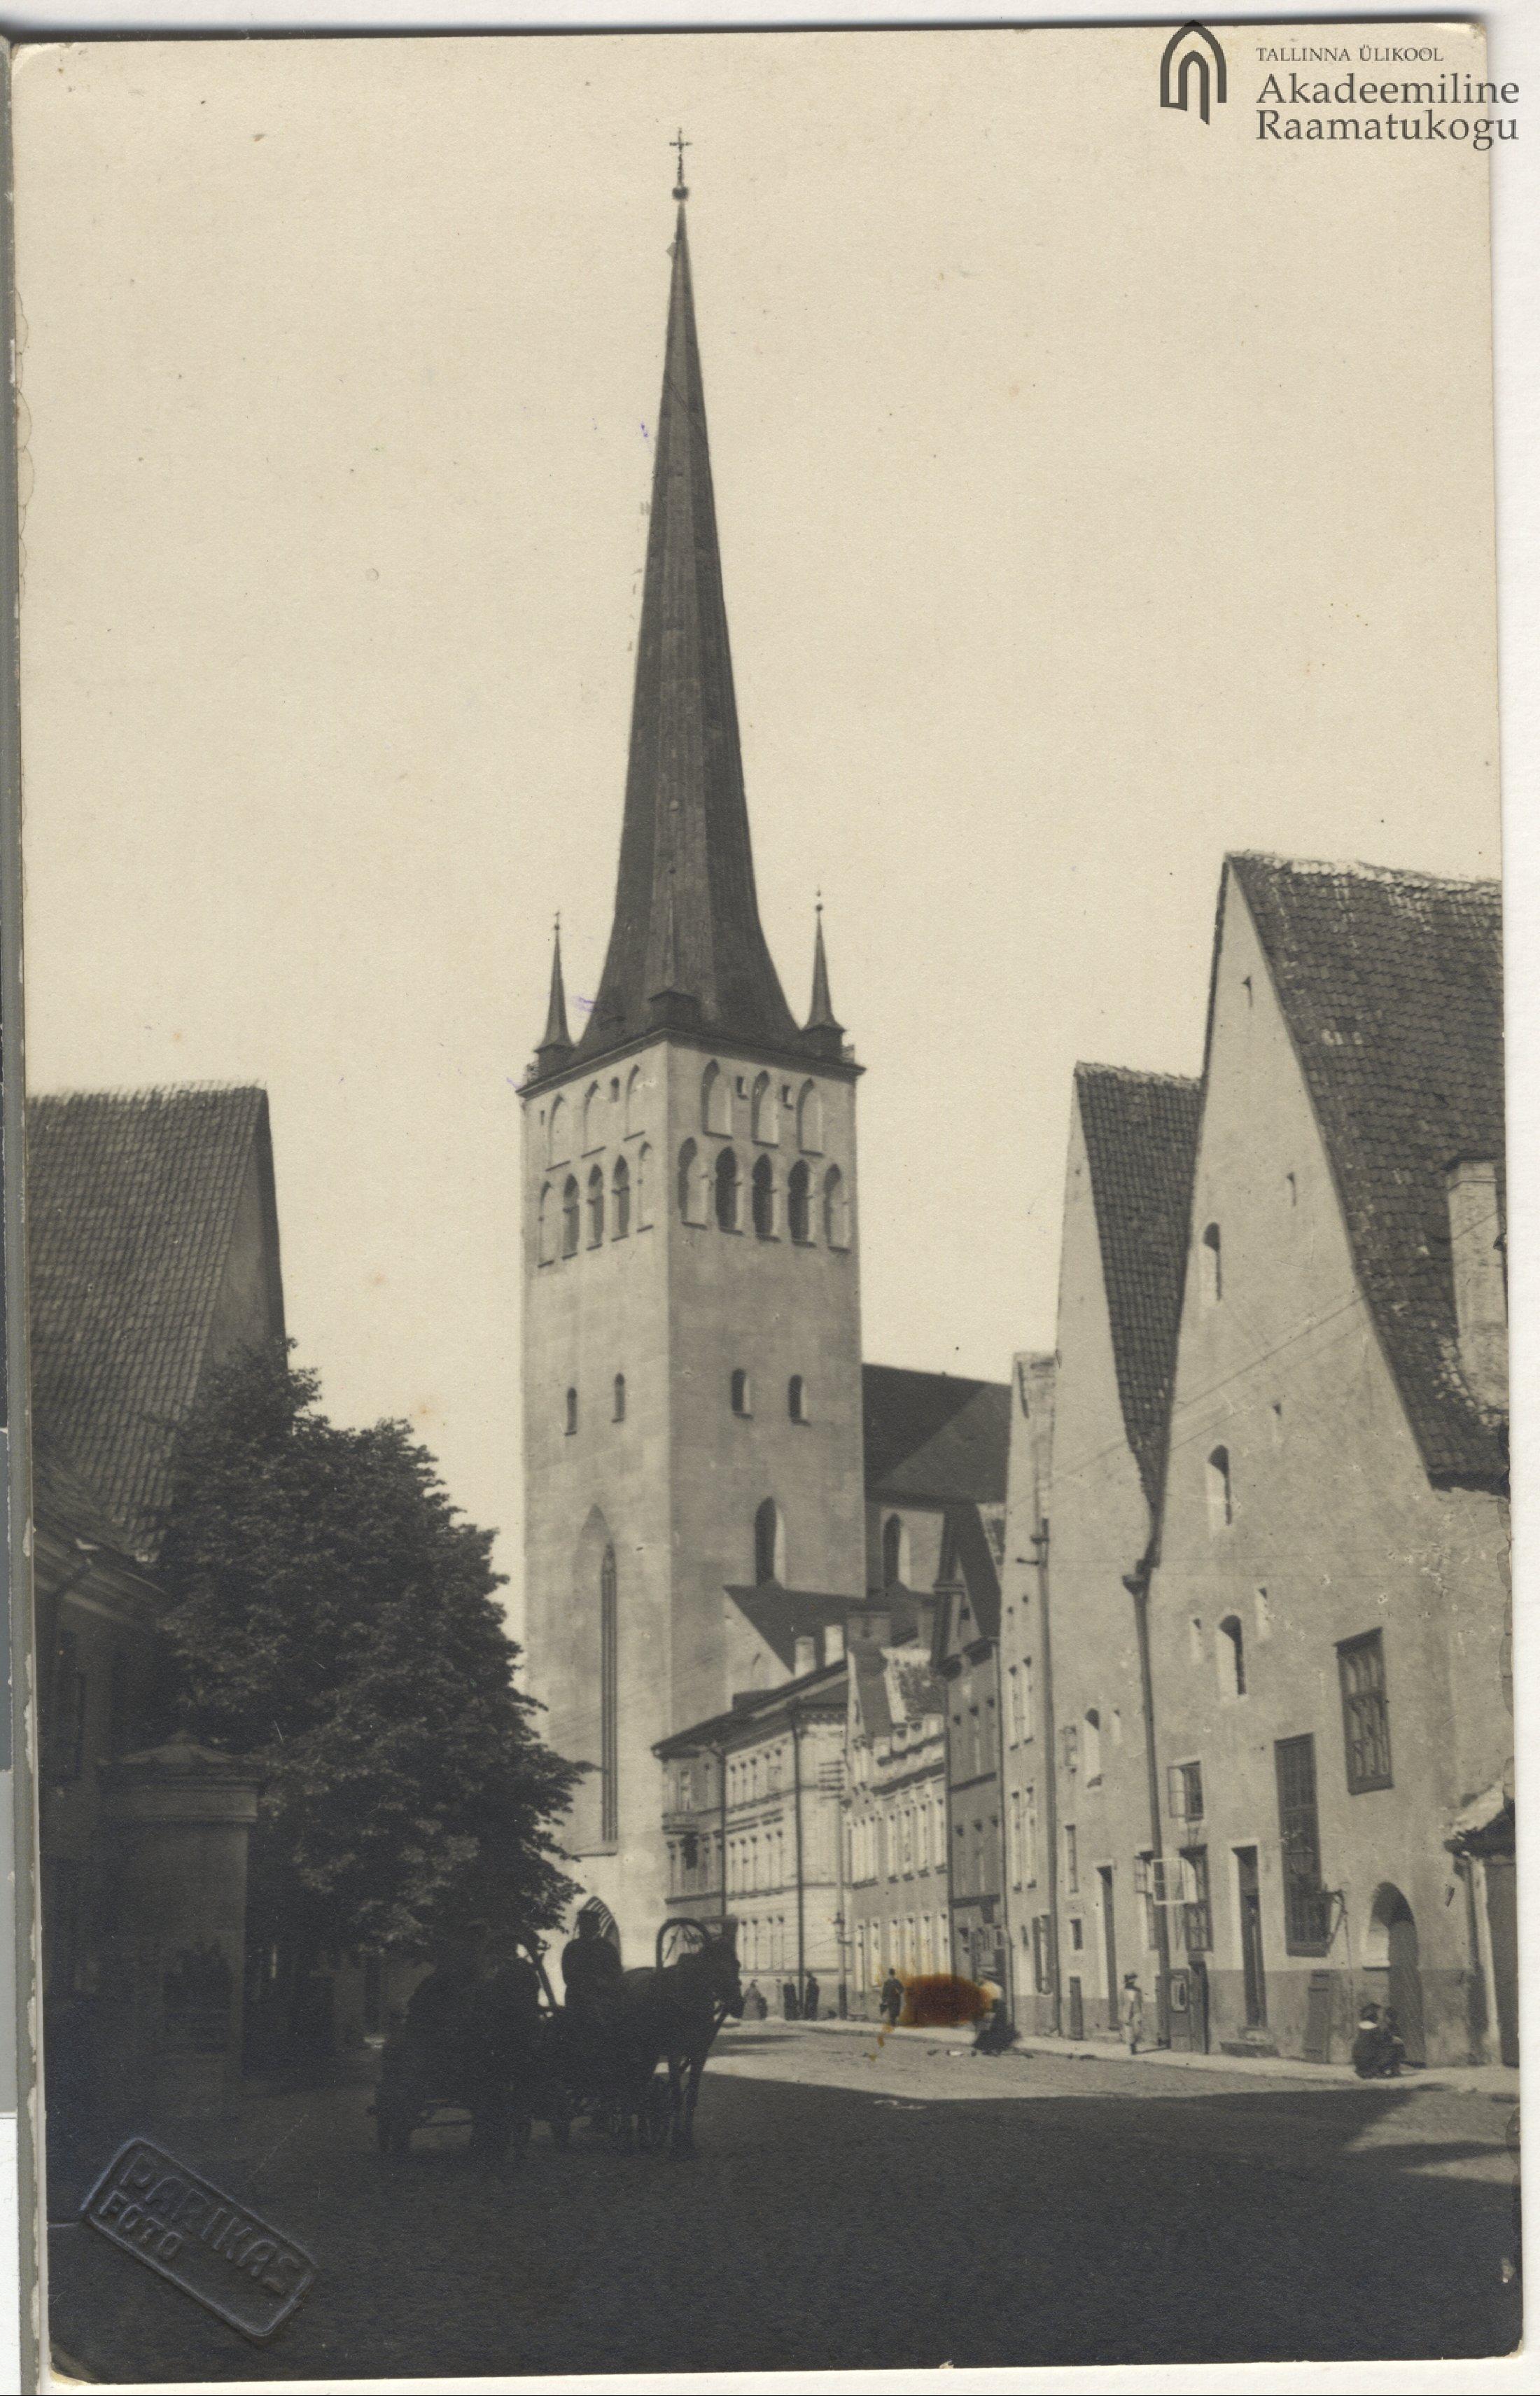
[332, 1619]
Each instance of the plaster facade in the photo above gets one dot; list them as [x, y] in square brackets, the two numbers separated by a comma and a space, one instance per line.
[1299, 1517]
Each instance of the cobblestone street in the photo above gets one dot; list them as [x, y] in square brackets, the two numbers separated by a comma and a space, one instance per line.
[862, 2205]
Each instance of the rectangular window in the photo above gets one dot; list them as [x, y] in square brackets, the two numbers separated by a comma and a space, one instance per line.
[1029, 1845]
[1042, 1953]
[1306, 1908]
[1185, 1791]
[1198, 1913]
[1017, 1837]
[1366, 1713]
[1071, 1860]
[1027, 1697]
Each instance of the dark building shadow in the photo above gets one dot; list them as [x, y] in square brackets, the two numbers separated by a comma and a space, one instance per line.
[820, 2229]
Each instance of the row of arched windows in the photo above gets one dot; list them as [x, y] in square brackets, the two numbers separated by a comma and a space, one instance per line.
[564, 1216]
[766, 1103]
[602, 1114]
[704, 1190]
[596, 1113]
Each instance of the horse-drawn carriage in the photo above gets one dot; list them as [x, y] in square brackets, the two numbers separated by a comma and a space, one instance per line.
[493, 2047]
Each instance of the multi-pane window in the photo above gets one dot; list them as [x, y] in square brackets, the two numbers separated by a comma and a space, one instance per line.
[1017, 1838]
[1197, 1911]
[1365, 1712]
[1185, 1791]
[1042, 1953]
[1307, 1907]
[1071, 1860]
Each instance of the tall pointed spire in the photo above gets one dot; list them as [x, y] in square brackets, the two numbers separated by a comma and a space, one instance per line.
[556, 1045]
[824, 1030]
[685, 829]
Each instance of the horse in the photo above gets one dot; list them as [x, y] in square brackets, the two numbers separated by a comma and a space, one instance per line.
[671, 2013]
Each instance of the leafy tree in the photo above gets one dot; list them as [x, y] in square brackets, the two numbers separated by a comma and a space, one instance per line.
[332, 1619]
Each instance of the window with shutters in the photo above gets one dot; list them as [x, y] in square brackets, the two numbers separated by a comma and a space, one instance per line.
[1185, 1792]
[1366, 1713]
[1306, 1908]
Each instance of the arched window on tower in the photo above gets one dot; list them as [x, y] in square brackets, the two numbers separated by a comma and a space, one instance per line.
[643, 1187]
[796, 1398]
[596, 1206]
[571, 1214]
[593, 1117]
[727, 1191]
[716, 1098]
[769, 1544]
[609, 1703]
[571, 1413]
[619, 1397]
[810, 1118]
[1221, 1497]
[548, 1225]
[556, 1132]
[1091, 1761]
[1232, 1656]
[799, 1204]
[896, 1551]
[764, 1115]
[692, 1184]
[634, 1100]
[742, 1396]
[1210, 1269]
[836, 1208]
[620, 1197]
[764, 1199]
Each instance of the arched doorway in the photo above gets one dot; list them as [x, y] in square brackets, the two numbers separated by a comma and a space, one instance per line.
[608, 1926]
[1391, 1962]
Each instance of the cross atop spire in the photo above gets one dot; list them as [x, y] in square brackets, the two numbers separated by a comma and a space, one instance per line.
[686, 950]
[682, 188]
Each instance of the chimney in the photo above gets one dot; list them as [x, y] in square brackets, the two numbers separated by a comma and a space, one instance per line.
[804, 1654]
[1480, 1280]
[833, 1642]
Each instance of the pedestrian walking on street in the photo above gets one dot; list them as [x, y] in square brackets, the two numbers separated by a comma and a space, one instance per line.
[891, 2001]
[789, 2000]
[1133, 2011]
[810, 2000]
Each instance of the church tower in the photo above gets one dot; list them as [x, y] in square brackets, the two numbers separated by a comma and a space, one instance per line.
[692, 1374]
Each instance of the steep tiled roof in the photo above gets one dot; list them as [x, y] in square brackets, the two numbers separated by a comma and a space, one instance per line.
[131, 1203]
[931, 1437]
[968, 1566]
[1391, 984]
[1141, 1132]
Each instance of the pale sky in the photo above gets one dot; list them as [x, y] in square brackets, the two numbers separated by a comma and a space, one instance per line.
[1098, 491]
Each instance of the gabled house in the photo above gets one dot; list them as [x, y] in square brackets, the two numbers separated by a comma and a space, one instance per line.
[897, 1814]
[1329, 1611]
[153, 1257]
[966, 1658]
[1127, 1195]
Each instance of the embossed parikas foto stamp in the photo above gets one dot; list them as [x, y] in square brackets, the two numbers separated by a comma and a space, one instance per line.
[169, 2217]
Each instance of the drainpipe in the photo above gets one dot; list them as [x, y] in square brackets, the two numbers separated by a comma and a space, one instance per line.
[797, 1809]
[1039, 1557]
[1137, 1585]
